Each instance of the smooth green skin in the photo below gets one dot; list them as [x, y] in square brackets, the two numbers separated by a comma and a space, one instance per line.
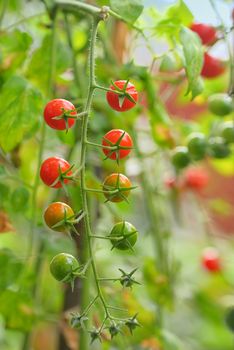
[218, 148]
[227, 131]
[220, 104]
[125, 229]
[197, 145]
[180, 157]
[62, 267]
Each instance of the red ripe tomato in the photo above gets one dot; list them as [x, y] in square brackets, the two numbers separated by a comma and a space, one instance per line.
[56, 108]
[120, 102]
[196, 179]
[211, 260]
[117, 137]
[212, 67]
[116, 181]
[50, 171]
[206, 32]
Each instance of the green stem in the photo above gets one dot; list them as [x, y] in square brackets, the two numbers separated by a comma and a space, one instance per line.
[229, 47]
[78, 6]
[88, 253]
[23, 20]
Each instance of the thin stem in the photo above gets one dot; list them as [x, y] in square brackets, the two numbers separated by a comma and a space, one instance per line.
[78, 6]
[88, 232]
[229, 47]
[101, 146]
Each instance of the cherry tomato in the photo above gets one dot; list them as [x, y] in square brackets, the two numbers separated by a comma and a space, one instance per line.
[197, 145]
[57, 212]
[50, 171]
[211, 260]
[171, 182]
[128, 234]
[220, 104]
[180, 157]
[227, 131]
[117, 137]
[63, 266]
[56, 108]
[212, 67]
[218, 148]
[196, 178]
[206, 32]
[118, 182]
[119, 102]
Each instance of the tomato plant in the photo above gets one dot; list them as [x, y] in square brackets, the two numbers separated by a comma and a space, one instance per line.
[58, 216]
[123, 236]
[116, 187]
[211, 260]
[212, 67]
[63, 267]
[220, 104]
[206, 32]
[60, 108]
[55, 171]
[125, 96]
[119, 138]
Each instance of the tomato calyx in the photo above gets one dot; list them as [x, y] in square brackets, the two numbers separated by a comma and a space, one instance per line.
[114, 329]
[115, 147]
[95, 334]
[132, 323]
[70, 221]
[112, 191]
[127, 280]
[68, 114]
[122, 92]
[77, 320]
[63, 175]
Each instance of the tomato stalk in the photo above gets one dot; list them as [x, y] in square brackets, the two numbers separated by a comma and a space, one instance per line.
[229, 47]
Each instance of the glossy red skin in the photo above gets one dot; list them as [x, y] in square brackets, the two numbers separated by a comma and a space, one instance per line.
[113, 136]
[113, 98]
[54, 109]
[50, 171]
[211, 261]
[55, 212]
[206, 32]
[111, 180]
[196, 179]
[212, 67]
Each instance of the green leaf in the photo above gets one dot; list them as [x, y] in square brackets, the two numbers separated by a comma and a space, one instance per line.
[168, 24]
[10, 268]
[14, 47]
[20, 111]
[193, 54]
[41, 62]
[129, 10]
[19, 199]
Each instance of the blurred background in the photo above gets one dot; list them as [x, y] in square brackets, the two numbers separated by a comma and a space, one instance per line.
[184, 215]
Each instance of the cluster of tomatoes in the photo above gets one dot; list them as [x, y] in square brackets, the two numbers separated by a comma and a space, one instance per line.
[56, 172]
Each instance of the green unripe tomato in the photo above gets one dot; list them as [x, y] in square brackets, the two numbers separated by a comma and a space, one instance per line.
[128, 233]
[220, 104]
[63, 266]
[197, 145]
[227, 131]
[218, 148]
[180, 157]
